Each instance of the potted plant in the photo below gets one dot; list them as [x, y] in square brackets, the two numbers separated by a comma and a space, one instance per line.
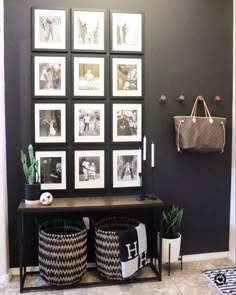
[32, 184]
[171, 238]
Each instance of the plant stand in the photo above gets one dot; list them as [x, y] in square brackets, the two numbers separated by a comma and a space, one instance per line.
[169, 259]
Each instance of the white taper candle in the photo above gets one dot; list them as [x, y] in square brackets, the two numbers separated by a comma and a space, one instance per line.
[139, 161]
[144, 148]
[152, 155]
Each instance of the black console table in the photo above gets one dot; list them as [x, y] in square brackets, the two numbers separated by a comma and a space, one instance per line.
[89, 206]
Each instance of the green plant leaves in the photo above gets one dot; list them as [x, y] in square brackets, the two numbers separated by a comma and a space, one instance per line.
[171, 221]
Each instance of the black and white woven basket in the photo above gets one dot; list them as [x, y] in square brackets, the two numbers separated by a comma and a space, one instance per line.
[107, 249]
[62, 251]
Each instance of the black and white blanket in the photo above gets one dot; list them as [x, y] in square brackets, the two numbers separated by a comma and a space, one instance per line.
[133, 249]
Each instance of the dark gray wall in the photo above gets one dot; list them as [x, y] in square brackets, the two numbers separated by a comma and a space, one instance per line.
[188, 50]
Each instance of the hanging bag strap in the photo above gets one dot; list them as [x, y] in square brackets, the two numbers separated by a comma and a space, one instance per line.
[178, 136]
[206, 110]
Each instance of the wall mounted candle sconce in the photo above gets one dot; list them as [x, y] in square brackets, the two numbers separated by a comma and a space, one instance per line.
[180, 98]
[216, 99]
[162, 99]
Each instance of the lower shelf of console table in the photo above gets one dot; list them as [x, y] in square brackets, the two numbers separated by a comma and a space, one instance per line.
[31, 281]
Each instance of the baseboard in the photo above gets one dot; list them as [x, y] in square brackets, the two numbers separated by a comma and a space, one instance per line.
[5, 279]
[232, 257]
[205, 256]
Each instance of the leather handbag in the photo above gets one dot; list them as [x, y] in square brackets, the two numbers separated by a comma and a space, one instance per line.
[200, 134]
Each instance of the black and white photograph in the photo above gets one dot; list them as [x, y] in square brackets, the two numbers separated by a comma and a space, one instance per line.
[88, 30]
[89, 122]
[52, 169]
[126, 30]
[89, 169]
[127, 122]
[88, 76]
[49, 29]
[50, 122]
[126, 168]
[49, 75]
[127, 77]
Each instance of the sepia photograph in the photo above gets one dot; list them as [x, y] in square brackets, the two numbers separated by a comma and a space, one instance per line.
[52, 169]
[89, 169]
[88, 76]
[126, 30]
[49, 29]
[50, 122]
[126, 167]
[49, 75]
[127, 122]
[89, 122]
[127, 77]
[88, 30]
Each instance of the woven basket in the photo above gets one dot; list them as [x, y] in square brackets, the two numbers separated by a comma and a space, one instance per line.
[62, 251]
[107, 248]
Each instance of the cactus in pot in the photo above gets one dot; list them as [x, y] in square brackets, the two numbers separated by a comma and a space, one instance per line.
[30, 169]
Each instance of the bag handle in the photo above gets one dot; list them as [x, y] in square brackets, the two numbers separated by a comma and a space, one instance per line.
[206, 110]
[178, 135]
[223, 127]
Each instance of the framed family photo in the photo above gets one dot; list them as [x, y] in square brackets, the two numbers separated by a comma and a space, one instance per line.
[126, 168]
[126, 32]
[127, 122]
[127, 77]
[89, 169]
[89, 122]
[88, 76]
[49, 72]
[50, 122]
[49, 29]
[52, 169]
[88, 30]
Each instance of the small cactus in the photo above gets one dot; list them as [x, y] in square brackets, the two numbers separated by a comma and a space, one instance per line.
[31, 171]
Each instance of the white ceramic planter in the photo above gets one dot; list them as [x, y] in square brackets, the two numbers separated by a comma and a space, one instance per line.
[175, 245]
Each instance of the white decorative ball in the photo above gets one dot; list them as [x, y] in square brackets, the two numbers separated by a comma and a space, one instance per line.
[46, 198]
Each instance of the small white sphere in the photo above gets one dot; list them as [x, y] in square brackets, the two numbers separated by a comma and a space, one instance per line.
[46, 198]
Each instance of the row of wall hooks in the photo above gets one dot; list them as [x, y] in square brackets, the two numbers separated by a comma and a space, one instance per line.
[181, 98]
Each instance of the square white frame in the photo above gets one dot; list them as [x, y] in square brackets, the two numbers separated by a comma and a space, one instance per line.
[87, 184]
[49, 59]
[49, 106]
[37, 44]
[89, 106]
[134, 23]
[135, 183]
[53, 154]
[126, 61]
[91, 16]
[128, 107]
[88, 60]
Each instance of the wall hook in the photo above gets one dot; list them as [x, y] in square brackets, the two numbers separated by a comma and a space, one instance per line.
[162, 98]
[181, 98]
[200, 97]
[216, 99]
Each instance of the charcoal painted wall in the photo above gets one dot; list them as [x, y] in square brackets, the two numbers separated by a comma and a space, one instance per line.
[188, 50]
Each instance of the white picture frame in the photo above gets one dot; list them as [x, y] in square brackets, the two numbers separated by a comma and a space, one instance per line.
[89, 76]
[89, 169]
[50, 122]
[49, 29]
[127, 122]
[89, 122]
[49, 76]
[52, 169]
[127, 165]
[126, 32]
[127, 77]
[88, 30]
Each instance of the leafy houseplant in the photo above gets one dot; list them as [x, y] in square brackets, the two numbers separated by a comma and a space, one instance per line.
[171, 238]
[171, 221]
[32, 185]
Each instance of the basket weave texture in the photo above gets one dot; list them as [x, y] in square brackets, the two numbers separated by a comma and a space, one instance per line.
[62, 251]
[107, 250]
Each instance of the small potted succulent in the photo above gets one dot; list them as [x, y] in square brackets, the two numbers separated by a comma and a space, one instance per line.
[171, 221]
[32, 184]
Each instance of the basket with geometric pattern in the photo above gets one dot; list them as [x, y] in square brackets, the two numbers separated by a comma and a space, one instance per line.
[62, 251]
[107, 249]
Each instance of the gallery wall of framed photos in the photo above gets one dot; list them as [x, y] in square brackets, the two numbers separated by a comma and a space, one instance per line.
[87, 92]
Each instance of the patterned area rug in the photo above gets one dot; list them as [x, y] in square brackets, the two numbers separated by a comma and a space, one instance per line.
[224, 279]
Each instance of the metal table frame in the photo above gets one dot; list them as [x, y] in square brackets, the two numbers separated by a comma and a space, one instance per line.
[92, 205]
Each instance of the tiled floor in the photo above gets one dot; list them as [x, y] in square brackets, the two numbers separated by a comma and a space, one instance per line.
[189, 281]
